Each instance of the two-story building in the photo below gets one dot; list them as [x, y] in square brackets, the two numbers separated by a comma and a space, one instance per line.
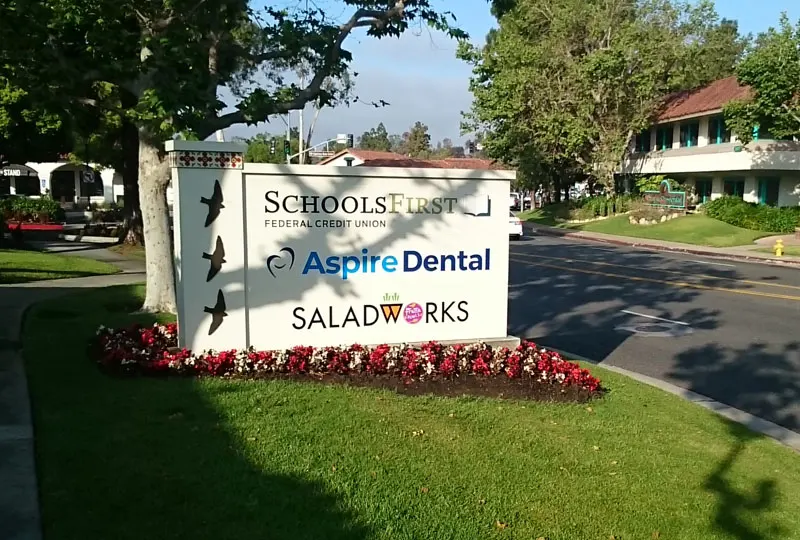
[691, 143]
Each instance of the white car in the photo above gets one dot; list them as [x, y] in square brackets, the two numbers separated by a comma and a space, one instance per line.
[515, 227]
[515, 201]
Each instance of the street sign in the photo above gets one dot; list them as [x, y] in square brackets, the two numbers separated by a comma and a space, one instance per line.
[321, 153]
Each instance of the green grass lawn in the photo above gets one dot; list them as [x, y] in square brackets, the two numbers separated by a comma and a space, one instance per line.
[789, 251]
[215, 459]
[22, 266]
[548, 215]
[695, 229]
[131, 252]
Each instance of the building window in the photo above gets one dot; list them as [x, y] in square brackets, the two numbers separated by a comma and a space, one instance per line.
[643, 141]
[27, 185]
[689, 134]
[62, 185]
[769, 190]
[718, 133]
[702, 187]
[664, 137]
[733, 186]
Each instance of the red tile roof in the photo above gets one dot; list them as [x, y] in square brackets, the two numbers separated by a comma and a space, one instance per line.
[702, 100]
[363, 155]
[372, 158]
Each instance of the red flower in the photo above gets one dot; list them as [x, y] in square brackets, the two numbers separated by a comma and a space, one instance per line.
[153, 349]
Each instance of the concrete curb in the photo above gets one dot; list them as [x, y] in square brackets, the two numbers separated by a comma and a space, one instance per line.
[772, 430]
[19, 500]
[89, 239]
[668, 249]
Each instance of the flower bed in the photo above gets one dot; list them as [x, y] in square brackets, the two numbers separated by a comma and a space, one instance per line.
[527, 371]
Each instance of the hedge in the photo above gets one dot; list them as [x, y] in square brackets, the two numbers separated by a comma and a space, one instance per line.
[756, 217]
[25, 210]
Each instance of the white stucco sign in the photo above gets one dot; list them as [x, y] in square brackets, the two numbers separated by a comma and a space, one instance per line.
[273, 256]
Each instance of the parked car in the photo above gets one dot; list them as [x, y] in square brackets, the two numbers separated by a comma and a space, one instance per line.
[514, 227]
[515, 201]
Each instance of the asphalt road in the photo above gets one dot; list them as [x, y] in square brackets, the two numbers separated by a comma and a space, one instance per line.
[730, 330]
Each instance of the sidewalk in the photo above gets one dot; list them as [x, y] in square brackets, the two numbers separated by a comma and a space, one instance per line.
[746, 253]
[19, 502]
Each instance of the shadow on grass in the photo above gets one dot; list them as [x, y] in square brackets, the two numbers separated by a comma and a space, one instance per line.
[27, 275]
[737, 508]
[193, 468]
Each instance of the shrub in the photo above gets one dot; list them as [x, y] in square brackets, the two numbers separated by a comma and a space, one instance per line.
[25, 210]
[735, 211]
[601, 206]
[652, 183]
[107, 213]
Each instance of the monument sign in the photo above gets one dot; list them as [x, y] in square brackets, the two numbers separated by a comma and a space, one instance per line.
[274, 256]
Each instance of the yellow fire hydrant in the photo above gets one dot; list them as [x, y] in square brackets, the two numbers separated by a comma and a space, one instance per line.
[778, 248]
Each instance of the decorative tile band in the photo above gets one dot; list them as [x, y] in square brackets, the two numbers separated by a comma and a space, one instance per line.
[205, 160]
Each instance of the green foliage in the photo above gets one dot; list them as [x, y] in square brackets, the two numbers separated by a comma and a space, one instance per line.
[417, 141]
[29, 131]
[26, 210]
[652, 182]
[601, 206]
[259, 148]
[735, 211]
[555, 89]
[772, 69]
[376, 138]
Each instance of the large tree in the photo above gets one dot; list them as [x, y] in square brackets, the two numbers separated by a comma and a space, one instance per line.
[268, 148]
[570, 81]
[376, 138]
[417, 141]
[772, 70]
[166, 61]
[21, 123]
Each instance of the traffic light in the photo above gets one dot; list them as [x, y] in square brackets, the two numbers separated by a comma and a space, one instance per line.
[471, 146]
[349, 140]
[272, 146]
[287, 147]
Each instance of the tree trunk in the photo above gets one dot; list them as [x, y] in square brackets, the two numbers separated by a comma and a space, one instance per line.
[557, 189]
[154, 175]
[132, 231]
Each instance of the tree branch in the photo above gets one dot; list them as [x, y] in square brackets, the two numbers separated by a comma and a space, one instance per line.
[791, 113]
[361, 18]
[159, 25]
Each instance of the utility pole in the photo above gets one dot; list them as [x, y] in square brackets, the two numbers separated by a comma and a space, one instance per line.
[289, 135]
[302, 157]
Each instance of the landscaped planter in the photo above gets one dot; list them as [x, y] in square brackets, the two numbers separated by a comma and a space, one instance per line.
[527, 371]
[40, 227]
[653, 221]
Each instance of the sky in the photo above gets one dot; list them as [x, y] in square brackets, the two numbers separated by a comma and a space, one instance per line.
[420, 77]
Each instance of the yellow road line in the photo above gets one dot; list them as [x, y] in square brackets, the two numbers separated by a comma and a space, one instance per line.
[613, 265]
[660, 281]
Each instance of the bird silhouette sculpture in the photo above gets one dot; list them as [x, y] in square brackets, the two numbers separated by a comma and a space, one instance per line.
[217, 312]
[214, 204]
[217, 259]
